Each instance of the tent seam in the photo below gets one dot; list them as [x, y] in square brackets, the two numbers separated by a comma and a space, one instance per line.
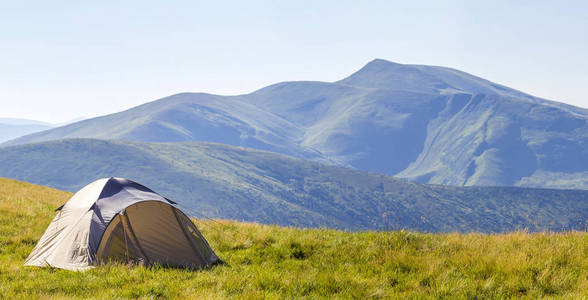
[186, 235]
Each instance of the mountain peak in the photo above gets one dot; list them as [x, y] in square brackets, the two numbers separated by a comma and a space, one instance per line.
[379, 61]
[379, 64]
[383, 74]
[380, 73]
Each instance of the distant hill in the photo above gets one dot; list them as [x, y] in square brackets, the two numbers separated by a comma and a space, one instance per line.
[11, 128]
[15, 121]
[229, 182]
[424, 123]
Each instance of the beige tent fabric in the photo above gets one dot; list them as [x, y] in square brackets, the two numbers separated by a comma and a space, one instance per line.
[153, 232]
[65, 242]
[196, 237]
[119, 245]
[146, 231]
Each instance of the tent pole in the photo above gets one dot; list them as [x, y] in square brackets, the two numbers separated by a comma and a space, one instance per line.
[133, 236]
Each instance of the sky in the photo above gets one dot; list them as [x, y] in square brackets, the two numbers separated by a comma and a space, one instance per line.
[61, 60]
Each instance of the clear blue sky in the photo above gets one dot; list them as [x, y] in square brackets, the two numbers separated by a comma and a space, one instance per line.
[63, 59]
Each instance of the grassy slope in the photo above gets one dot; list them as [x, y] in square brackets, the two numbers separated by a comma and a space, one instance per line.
[277, 262]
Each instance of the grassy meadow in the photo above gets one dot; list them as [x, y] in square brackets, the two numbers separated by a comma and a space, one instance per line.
[262, 261]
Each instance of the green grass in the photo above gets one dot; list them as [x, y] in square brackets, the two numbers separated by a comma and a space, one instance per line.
[275, 262]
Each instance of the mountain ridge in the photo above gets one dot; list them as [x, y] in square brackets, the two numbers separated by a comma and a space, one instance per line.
[222, 181]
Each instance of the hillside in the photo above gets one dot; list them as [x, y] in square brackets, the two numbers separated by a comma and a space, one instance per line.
[276, 262]
[424, 123]
[228, 182]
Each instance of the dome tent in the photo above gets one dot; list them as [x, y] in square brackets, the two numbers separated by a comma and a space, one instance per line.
[119, 219]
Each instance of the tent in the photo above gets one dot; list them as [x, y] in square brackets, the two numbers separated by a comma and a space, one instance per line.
[116, 219]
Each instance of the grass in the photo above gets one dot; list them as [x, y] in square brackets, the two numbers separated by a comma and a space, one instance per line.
[262, 261]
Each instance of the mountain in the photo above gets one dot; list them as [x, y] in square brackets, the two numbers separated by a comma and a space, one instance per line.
[423, 123]
[222, 181]
[189, 117]
[12, 128]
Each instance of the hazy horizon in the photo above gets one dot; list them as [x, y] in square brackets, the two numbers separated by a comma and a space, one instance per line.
[65, 60]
